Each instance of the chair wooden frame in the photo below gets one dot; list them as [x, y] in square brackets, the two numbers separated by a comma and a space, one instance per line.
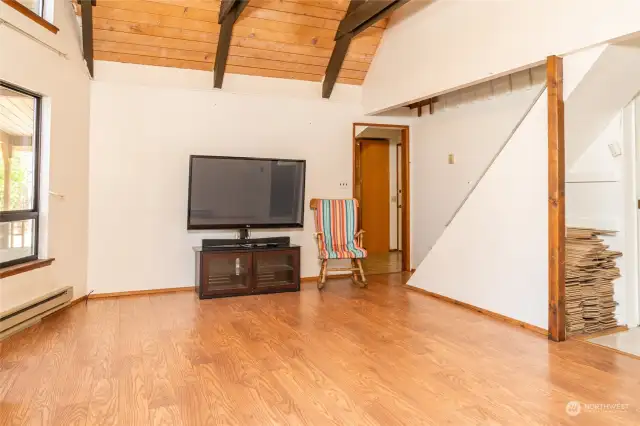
[356, 264]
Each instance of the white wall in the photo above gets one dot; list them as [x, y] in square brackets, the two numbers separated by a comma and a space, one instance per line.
[473, 132]
[145, 123]
[611, 83]
[483, 39]
[64, 83]
[500, 236]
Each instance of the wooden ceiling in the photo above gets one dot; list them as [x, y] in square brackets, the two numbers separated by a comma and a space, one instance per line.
[16, 113]
[271, 38]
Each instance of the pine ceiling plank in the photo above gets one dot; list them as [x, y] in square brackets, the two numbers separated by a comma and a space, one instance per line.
[261, 72]
[150, 40]
[341, 5]
[160, 52]
[149, 60]
[292, 18]
[164, 9]
[248, 52]
[155, 30]
[358, 61]
[363, 46]
[152, 19]
[276, 65]
[303, 9]
[353, 81]
[212, 5]
[300, 9]
[352, 74]
[286, 27]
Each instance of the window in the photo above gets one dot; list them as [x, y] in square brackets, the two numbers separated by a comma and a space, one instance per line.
[36, 6]
[19, 144]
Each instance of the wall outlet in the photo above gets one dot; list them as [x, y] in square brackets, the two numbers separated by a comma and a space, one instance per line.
[344, 185]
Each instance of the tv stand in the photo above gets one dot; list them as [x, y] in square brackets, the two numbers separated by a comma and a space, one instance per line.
[242, 268]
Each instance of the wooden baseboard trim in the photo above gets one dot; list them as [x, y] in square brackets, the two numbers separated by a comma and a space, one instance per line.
[483, 311]
[140, 292]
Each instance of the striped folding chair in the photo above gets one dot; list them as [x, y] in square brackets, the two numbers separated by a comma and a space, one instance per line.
[338, 237]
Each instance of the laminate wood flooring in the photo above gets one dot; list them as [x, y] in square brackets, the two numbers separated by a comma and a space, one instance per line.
[345, 356]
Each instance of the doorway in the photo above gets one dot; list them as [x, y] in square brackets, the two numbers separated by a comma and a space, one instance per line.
[380, 177]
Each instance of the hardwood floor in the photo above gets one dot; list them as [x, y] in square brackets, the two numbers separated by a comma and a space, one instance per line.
[383, 263]
[347, 356]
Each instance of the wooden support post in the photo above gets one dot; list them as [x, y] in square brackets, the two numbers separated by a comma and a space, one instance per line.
[557, 326]
[420, 110]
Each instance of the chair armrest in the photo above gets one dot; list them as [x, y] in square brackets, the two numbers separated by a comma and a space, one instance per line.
[359, 236]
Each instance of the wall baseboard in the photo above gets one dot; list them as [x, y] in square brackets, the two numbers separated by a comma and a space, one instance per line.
[483, 311]
[141, 292]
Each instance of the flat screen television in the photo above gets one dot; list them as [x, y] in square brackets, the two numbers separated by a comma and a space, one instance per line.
[240, 193]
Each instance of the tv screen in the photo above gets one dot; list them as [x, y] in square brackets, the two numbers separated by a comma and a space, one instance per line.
[233, 192]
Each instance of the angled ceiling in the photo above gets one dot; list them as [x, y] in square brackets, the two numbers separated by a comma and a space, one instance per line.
[271, 38]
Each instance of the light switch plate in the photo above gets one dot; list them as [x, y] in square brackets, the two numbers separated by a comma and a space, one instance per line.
[452, 159]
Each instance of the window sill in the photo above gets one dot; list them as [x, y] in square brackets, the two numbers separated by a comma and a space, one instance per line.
[31, 15]
[24, 267]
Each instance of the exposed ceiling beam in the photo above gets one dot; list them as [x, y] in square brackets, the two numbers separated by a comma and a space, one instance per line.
[86, 7]
[365, 15]
[360, 15]
[230, 10]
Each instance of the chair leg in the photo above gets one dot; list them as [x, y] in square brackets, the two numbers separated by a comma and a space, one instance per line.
[354, 272]
[363, 282]
[322, 278]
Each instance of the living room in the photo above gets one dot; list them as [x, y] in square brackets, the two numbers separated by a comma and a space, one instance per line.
[104, 319]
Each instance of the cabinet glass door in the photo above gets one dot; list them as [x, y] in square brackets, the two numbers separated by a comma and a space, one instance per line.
[276, 269]
[226, 273]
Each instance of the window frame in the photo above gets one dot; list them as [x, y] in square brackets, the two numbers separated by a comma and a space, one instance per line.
[34, 212]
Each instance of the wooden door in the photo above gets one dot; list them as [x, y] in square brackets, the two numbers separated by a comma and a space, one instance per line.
[374, 195]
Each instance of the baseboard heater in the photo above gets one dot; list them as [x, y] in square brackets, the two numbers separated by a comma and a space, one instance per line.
[25, 315]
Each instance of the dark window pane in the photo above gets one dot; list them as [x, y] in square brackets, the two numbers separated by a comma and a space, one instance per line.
[17, 240]
[17, 146]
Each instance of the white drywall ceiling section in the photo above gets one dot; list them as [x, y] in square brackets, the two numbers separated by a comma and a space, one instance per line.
[449, 44]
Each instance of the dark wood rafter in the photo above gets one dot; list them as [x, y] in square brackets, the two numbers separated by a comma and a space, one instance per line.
[366, 14]
[360, 15]
[230, 10]
[557, 326]
[86, 7]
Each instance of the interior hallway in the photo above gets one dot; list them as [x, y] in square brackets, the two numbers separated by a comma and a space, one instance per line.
[378, 356]
[383, 263]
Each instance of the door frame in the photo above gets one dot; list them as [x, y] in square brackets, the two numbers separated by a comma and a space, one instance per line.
[406, 194]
